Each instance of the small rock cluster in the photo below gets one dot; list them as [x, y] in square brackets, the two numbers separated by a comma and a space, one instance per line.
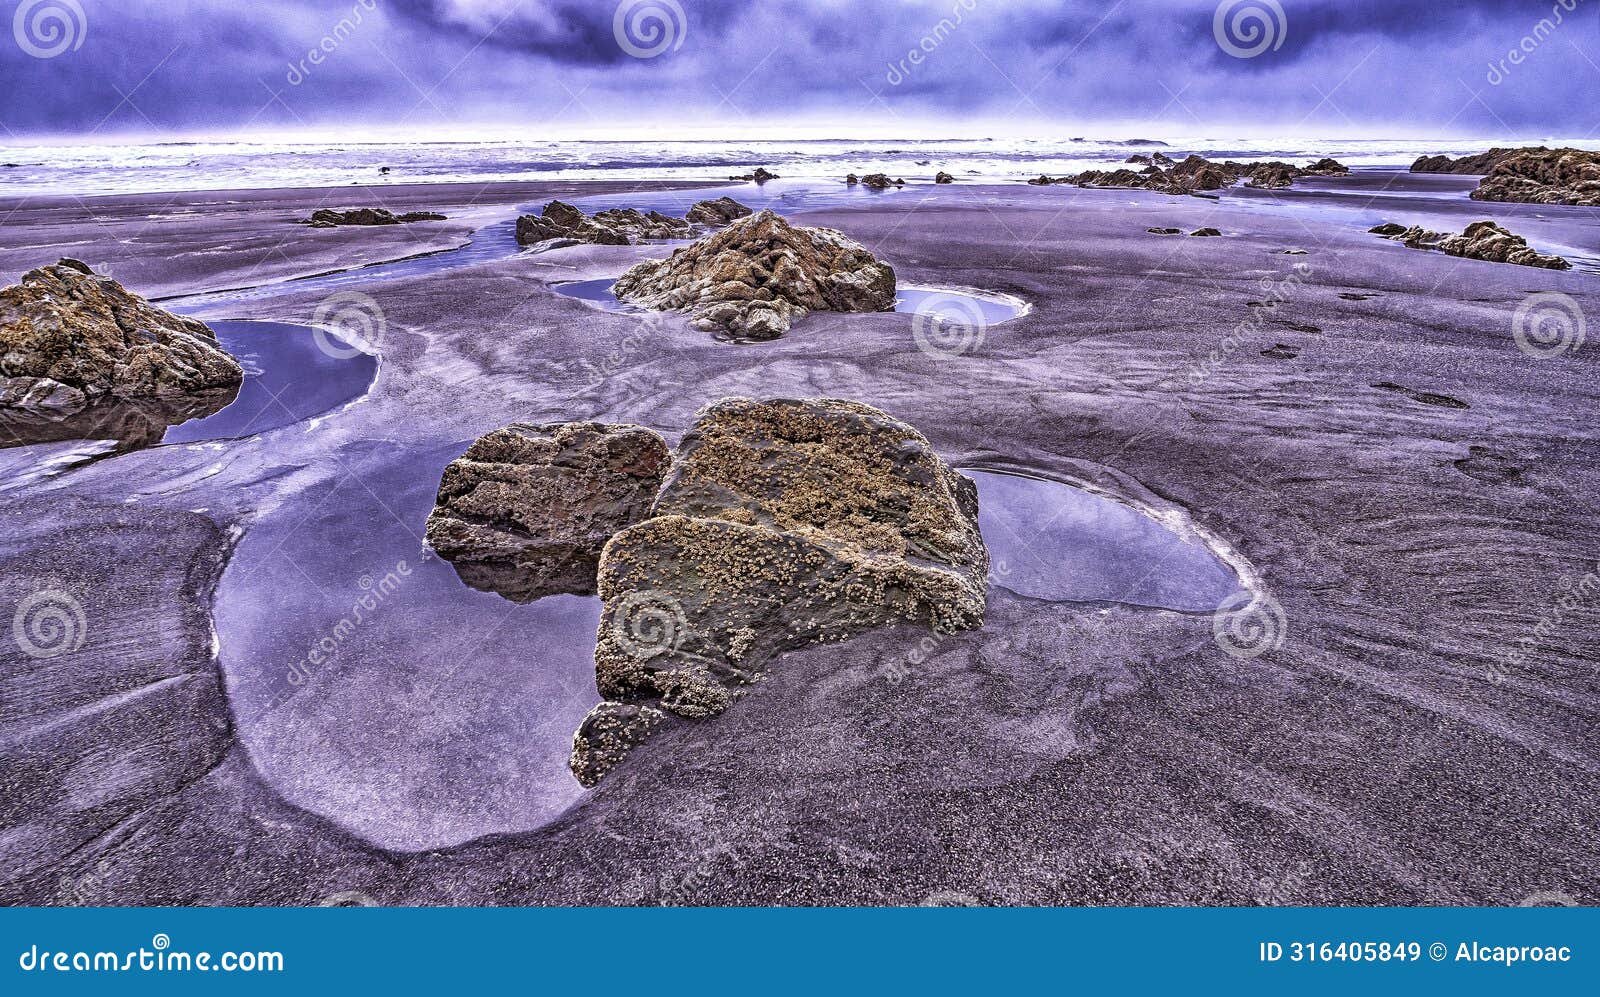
[759, 275]
[561, 224]
[1481, 241]
[1196, 174]
[335, 217]
[761, 175]
[881, 181]
[83, 357]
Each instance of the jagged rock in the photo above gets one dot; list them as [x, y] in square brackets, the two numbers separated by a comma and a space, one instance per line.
[1163, 231]
[851, 179]
[1137, 159]
[759, 176]
[1205, 232]
[1196, 175]
[943, 177]
[1481, 241]
[561, 221]
[1043, 180]
[525, 511]
[1271, 176]
[1326, 167]
[759, 275]
[83, 357]
[1544, 176]
[607, 734]
[880, 181]
[716, 213]
[783, 523]
[332, 217]
[1482, 163]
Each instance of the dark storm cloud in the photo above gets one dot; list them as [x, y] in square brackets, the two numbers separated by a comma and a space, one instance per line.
[1396, 65]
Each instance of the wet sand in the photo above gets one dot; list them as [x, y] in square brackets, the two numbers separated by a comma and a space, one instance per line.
[1386, 752]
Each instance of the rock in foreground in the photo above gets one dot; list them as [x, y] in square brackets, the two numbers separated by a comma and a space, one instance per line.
[565, 225]
[1481, 241]
[81, 357]
[526, 510]
[783, 523]
[1544, 176]
[759, 275]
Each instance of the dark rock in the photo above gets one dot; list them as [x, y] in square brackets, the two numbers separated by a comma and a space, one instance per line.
[332, 218]
[759, 176]
[526, 510]
[1544, 176]
[1281, 351]
[1482, 163]
[1423, 397]
[608, 733]
[783, 523]
[1387, 229]
[851, 179]
[560, 223]
[759, 275]
[1164, 231]
[943, 177]
[880, 181]
[83, 357]
[1481, 241]
[716, 213]
[1206, 232]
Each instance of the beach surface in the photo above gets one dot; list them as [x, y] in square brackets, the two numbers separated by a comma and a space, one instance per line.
[1357, 425]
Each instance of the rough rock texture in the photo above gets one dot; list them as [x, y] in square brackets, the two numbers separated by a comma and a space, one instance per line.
[1206, 232]
[1481, 241]
[783, 523]
[943, 177]
[761, 175]
[333, 218]
[1482, 163]
[760, 274]
[1197, 174]
[81, 356]
[623, 226]
[607, 734]
[1164, 230]
[525, 511]
[1544, 176]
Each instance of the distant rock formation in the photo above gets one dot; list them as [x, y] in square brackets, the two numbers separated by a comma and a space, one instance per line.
[1164, 231]
[783, 523]
[1206, 233]
[1481, 241]
[759, 176]
[1544, 176]
[943, 177]
[1482, 163]
[1196, 174]
[759, 275]
[525, 511]
[81, 357]
[560, 223]
[333, 218]
[880, 181]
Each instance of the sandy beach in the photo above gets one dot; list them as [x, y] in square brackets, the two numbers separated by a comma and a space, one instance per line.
[1413, 490]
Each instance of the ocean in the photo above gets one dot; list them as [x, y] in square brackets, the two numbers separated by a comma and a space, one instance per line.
[99, 169]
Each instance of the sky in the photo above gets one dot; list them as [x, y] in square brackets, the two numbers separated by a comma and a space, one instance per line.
[102, 70]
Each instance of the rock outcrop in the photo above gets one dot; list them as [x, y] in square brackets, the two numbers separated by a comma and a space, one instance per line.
[783, 523]
[81, 357]
[1481, 241]
[560, 223]
[335, 217]
[943, 177]
[526, 510]
[759, 176]
[1544, 176]
[1482, 163]
[1196, 174]
[881, 181]
[756, 277]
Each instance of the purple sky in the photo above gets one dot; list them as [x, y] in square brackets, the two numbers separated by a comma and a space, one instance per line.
[550, 68]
